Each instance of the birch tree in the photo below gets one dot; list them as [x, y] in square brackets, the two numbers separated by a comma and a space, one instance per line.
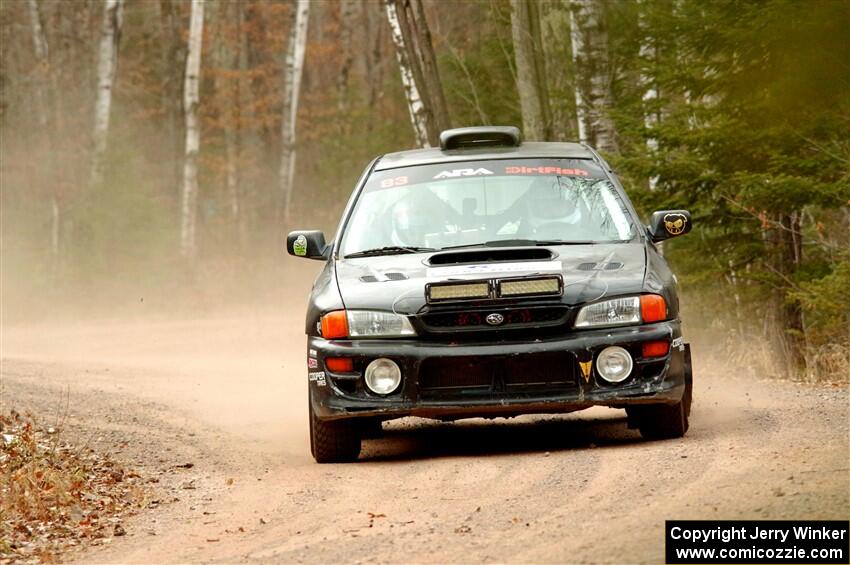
[531, 70]
[649, 95]
[415, 106]
[189, 192]
[589, 37]
[292, 72]
[420, 77]
[110, 32]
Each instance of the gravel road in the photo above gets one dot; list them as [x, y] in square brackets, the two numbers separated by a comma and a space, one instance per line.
[227, 394]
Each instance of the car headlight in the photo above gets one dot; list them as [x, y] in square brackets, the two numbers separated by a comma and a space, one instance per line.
[369, 323]
[623, 311]
[616, 312]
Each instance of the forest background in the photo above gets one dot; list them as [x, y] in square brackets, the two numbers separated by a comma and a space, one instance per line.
[153, 153]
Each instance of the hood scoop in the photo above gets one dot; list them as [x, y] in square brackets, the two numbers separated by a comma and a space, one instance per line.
[491, 256]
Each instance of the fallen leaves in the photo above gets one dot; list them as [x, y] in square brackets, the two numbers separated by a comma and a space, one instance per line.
[53, 495]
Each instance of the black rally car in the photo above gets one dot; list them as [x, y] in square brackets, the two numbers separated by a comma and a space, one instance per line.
[490, 277]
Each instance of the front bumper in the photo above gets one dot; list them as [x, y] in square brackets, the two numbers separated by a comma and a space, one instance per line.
[343, 395]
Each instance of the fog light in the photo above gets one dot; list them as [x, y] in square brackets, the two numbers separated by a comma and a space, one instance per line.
[614, 364]
[383, 376]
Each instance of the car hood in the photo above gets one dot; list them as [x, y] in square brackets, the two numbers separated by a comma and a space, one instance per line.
[397, 282]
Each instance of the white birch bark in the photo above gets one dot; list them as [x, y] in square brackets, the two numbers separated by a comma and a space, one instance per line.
[647, 54]
[415, 106]
[294, 68]
[107, 62]
[590, 53]
[189, 192]
[578, 55]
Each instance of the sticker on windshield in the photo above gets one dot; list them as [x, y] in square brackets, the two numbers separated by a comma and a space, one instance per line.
[463, 173]
[546, 171]
[395, 181]
[524, 267]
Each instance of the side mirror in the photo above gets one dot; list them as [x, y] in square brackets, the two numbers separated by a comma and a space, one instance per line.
[669, 223]
[307, 243]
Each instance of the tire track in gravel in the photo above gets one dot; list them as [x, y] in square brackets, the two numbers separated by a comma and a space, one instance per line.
[227, 394]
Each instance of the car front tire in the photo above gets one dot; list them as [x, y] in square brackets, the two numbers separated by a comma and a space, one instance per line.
[333, 441]
[666, 421]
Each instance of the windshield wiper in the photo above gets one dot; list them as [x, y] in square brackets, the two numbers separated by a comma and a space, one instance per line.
[389, 250]
[518, 243]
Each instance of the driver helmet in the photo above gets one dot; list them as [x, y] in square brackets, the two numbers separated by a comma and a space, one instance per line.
[408, 224]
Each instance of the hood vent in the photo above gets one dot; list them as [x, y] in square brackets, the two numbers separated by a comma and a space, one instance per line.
[387, 277]
[491, 255]
[612, 266]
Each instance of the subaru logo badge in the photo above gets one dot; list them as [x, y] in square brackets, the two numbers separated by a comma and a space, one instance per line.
[495, 319]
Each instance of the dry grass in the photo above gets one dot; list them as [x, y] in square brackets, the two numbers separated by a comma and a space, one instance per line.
[751, 357]
[829, 362]
[54, 496]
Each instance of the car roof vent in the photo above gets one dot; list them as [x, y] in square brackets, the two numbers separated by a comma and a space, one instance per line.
[475, 137]
[395, 276]
[369, 278]
[586, 267]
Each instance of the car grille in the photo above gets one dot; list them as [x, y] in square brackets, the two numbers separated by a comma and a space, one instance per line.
[496, 375]
[477, 319]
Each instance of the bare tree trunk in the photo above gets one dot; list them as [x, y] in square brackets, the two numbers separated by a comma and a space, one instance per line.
[173, 57]
[414, 101]
[578, 47]
[531, 74]
[226, 89]
[424, 50]
[110, 33]
[189, 194]
[45, 100]
[789, 253]
[293, 70]
[647, 56]
[373, 20]
[419, 74]
[345, 37]
[589, 37]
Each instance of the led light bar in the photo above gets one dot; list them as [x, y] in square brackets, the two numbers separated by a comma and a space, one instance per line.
[458, 291]
[530, 287]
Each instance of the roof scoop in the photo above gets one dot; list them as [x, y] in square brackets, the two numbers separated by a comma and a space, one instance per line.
[491, 256]
[484, 136]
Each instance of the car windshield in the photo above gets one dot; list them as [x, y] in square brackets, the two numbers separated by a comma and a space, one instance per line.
[431, 207]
